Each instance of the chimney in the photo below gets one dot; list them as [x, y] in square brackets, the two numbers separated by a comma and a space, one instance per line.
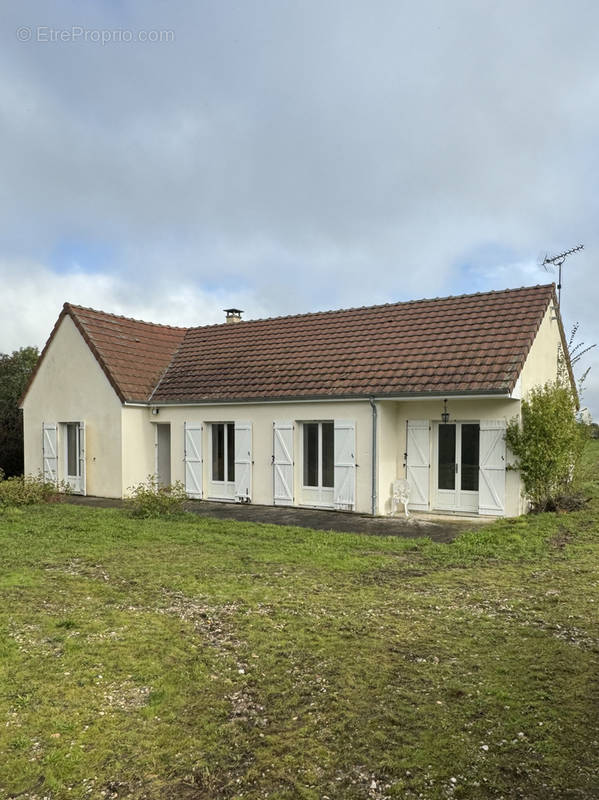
[233, 314]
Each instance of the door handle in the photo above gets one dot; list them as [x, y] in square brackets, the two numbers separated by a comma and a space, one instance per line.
[456, 467]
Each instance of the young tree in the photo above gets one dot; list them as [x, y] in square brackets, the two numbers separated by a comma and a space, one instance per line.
[15, 371]
[548, 445]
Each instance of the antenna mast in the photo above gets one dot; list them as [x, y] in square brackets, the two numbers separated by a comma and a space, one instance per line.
[557, 261]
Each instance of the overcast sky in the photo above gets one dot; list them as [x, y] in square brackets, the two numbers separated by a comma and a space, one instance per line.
[285, 156]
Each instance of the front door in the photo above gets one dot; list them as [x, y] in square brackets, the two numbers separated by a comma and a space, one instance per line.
[457, 466]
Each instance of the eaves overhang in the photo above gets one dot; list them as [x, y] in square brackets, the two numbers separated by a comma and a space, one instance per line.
[456, 395]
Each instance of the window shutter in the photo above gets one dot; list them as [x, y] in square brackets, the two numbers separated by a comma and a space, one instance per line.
[282, 463]
[491, 489]
[344, 482]
[82, 482]
[243, 462]
[418, 463]
[50, 451]
[192, 456]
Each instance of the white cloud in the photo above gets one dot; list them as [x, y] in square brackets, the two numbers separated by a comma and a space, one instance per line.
[34, 295]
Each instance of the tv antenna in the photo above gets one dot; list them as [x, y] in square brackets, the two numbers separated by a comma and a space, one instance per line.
[548, 262]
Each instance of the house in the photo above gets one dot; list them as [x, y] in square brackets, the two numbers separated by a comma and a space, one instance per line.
[324, 409]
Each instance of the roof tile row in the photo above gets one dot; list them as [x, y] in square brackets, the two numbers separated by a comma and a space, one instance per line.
[472, 343]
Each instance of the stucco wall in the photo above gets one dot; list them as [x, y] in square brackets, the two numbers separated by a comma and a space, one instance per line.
[460, 411]
[541, 363]
[389, 451]
[138, 441]
[71, 387]
[392, 415]
[138, 448]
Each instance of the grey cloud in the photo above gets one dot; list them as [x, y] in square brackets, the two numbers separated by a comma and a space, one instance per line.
[309, 154]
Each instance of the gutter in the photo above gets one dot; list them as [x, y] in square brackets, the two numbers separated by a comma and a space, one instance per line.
[374, 454]
[498, 395]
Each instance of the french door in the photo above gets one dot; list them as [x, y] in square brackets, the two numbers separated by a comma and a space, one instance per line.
[457, 466]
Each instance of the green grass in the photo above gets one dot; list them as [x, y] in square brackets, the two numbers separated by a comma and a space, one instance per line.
[194, 658]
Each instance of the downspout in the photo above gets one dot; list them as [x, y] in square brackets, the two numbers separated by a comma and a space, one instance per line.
[374, 455]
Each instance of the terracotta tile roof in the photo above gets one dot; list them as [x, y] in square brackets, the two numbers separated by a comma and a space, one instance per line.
[468, 344]
[132, 353]
[472, 344]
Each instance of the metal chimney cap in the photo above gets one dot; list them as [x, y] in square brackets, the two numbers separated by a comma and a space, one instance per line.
[233, 314]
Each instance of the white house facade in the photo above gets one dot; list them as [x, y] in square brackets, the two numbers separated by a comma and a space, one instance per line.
[321, 410]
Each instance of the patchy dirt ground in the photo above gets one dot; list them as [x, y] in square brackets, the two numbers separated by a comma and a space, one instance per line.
[439, 529]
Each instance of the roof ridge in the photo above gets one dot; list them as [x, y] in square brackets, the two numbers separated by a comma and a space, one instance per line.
[74, 307]
[68, 306]
[377, 305]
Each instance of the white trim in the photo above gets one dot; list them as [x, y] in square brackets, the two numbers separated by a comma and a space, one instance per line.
[283, 463]
[50, 445]
[493, 460]
[418, 462]
[193, 463]
[82, 459]
[344, 449]
[516, 393]
[243, 461]
[316, 399]
[155, 424]
[457, 494]
[76, 482]
[221, 491]
[318, 486]
[225, 425]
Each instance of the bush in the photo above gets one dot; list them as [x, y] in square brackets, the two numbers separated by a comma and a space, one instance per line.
[26, 490]
[548, 445]
[149, 499]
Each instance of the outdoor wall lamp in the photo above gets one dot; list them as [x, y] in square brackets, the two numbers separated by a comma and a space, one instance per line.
[156, 411]
[445, 413]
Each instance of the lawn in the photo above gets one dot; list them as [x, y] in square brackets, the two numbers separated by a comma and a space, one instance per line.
[193, 658]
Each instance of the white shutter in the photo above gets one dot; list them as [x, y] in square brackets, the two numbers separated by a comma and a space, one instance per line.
[192, 456]
[418, 463]
[491, 488]
[344, 491]
[282, 463]
[243, 462]
[82, 457]
[50, 451]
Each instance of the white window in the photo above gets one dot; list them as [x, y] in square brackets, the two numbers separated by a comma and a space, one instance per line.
[223, 452]
[319, 454]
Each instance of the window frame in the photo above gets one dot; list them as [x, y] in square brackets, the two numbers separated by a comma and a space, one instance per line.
[228, 453]
[320, 455]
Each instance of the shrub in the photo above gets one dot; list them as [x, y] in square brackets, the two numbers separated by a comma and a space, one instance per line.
[149, 499]
[26, 490]
[548, 444]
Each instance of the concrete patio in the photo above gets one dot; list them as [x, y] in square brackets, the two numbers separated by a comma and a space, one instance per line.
[437, 527]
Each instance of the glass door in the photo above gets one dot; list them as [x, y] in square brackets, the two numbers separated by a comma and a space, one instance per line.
[447, 466]
[469, 457]
[457, 466]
